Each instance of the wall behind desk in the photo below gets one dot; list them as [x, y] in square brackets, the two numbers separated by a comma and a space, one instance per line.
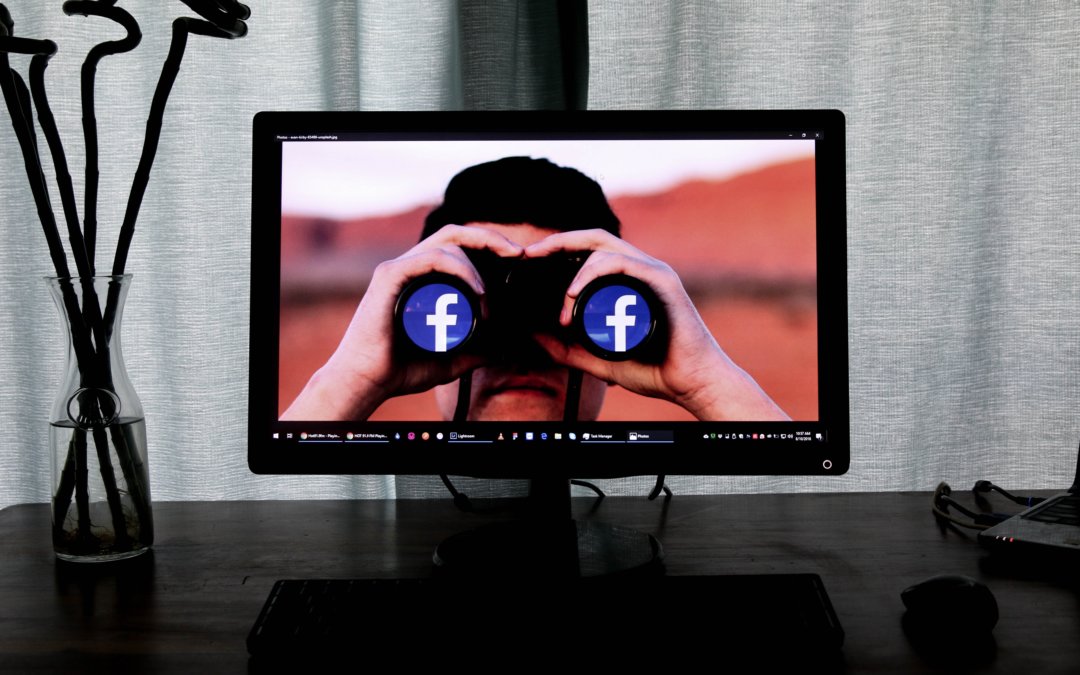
[963, 208]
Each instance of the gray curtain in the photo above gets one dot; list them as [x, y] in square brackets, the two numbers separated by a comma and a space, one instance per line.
[963, 207]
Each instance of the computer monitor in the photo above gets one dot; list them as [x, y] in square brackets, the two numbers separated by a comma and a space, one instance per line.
[549, 294]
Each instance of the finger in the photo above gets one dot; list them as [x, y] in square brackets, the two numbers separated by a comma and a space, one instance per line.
[465, 363]
[603, 263]
[450, 261]
[575, 356]
[580, 240]
[434, 372]
[477, 238]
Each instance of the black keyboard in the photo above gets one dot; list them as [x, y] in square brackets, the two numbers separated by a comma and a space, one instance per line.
[1064, 509]
[329, 618]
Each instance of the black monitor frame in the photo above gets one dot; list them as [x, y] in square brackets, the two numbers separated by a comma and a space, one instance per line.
[690, 454]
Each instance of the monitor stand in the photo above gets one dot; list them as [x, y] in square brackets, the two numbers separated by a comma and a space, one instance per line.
[548, 543]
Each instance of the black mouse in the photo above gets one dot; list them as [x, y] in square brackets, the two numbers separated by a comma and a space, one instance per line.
[949, 606]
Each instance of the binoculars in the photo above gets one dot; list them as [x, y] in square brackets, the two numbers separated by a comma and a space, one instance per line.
[616, 317]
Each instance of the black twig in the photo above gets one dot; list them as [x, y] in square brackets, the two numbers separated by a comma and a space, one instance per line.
[150, 144]
[112, 494]
[64, 489]
[93, 366]
[90, 331]
[17, 99]
[226, 15]
[82, 491]
[224, 24]
[89, 72]
[63, 177]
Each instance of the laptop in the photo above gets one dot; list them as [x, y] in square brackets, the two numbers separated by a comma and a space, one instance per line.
[1051, 526]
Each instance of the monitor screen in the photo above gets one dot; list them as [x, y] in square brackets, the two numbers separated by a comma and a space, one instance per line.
[564, 293]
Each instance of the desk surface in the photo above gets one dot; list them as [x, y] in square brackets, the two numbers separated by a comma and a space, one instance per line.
[189, 606]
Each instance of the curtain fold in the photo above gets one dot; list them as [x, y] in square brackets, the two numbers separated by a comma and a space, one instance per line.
[471, 55]
[962, 211]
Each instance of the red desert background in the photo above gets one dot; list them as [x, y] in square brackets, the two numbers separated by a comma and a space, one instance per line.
[744, 248]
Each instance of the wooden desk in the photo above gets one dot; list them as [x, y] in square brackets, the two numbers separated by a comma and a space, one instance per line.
[189, 606]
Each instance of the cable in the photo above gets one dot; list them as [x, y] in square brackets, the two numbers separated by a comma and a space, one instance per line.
[661, 486]
[942, 500]
[987, 486]
[461, 500]
[464, 395]
[573, 395]
[570, 413]
[586, 484]
[461, 413]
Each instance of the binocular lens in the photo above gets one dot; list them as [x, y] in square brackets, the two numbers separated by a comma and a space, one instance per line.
[437, 313]
[617, 316]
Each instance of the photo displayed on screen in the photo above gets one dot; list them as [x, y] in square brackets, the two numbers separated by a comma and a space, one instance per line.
[610, 280]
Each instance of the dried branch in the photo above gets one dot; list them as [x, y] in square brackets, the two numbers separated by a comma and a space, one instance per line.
[224, 19]
[89, 72]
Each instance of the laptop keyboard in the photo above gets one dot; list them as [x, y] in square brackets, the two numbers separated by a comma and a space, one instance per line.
[1063, 510]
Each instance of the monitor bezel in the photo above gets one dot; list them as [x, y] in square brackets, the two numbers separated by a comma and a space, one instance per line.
[554, 458]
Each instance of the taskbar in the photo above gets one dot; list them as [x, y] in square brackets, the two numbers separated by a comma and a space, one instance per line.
[496, 448]
[414, 433]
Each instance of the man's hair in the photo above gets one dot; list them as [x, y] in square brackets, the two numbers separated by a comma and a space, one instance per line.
[517, 190]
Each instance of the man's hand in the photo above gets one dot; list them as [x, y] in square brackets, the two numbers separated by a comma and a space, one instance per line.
[362, 373]
[695, 374]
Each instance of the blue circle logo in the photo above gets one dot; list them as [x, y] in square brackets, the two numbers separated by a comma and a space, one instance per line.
[617, 318]
[437, 317]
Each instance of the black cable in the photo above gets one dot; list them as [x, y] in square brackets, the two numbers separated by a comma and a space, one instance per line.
[661, 486]
[942, 500]
[461, 413]
[586, 484]
[987, 486]
[461, 500]
[464, 396]
[570, 413]
[573, 395]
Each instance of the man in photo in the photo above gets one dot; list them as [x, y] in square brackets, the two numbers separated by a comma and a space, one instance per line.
[524, 208]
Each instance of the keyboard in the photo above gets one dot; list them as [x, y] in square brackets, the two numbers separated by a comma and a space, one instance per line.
[325, 618]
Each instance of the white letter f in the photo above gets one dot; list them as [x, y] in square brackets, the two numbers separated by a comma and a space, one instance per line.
[620, 320]
[441, 319]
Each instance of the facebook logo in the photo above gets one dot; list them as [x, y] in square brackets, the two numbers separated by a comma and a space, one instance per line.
[442, 319]
[620, 320]
[617, 318]
[437, 317]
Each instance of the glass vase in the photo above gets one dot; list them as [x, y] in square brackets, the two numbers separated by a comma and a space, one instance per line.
[101, 488]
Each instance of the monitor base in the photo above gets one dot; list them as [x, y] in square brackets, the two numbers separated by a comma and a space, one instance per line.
[563, 549]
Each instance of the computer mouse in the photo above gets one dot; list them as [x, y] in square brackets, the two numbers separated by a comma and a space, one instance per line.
[949, 605]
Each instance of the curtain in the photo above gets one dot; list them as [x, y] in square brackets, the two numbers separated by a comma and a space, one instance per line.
[962, 207]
